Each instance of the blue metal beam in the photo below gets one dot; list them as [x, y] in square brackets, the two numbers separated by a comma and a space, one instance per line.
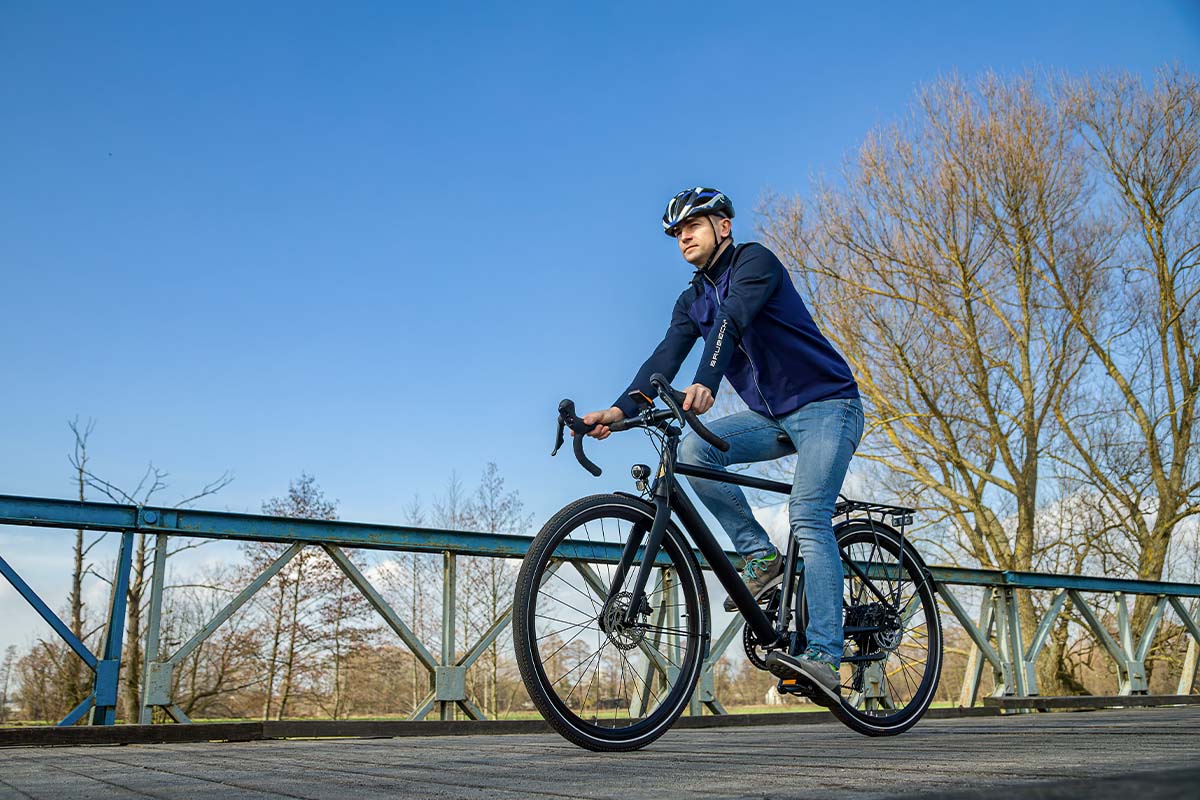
[1042, 580]
[48, 512]
[44, 512]
[44, 611]
[108, 668]
[77, 713]
[130, 520]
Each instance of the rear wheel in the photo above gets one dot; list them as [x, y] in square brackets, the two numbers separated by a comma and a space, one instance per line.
[601, 682]
[892, 657]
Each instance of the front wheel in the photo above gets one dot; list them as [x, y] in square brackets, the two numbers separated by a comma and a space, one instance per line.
[601, 682]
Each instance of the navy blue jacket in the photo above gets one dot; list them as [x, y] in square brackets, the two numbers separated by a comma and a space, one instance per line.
[757, 333]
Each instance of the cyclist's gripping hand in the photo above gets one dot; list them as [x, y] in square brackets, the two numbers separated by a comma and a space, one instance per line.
[698, 398]
[604, 418]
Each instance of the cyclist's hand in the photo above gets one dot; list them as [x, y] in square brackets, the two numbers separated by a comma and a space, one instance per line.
[698, 398]
[604, 418]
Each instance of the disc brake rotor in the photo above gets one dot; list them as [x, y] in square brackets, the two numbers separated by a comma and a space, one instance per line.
[623, 635]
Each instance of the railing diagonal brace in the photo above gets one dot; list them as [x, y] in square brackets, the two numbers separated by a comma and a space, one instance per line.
[389, 615]
[726, 638]
[1043, 629]
[1143, 648]
[234, 604]
[1093, 622]
[488, 637]
[1186, 618]
[51, 618]
[968, 624]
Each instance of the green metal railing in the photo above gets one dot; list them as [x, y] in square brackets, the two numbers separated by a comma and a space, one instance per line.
[1012, 662]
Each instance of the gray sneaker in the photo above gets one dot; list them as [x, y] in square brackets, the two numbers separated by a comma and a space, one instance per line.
[820, 678]
[759, 574]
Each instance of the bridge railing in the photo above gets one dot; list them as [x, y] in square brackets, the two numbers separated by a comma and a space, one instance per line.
[996, 636]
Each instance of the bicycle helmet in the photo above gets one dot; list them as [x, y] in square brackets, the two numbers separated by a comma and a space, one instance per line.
[695, 202]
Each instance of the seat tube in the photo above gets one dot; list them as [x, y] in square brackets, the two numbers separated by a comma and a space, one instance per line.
[789, 582]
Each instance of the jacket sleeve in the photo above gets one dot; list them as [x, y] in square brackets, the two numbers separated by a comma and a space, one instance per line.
[667, 357]
[757, 276]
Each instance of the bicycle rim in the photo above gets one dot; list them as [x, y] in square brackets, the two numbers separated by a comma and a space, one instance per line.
[600, 682]
[892, 655]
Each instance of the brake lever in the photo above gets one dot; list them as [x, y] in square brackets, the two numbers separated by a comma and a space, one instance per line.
[558, 437]
[567, 418]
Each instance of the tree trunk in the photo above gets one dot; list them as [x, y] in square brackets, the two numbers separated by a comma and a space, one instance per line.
[276, 635]
[133, 639]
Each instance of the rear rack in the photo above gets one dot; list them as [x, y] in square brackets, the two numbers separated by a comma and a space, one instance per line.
[900, 515]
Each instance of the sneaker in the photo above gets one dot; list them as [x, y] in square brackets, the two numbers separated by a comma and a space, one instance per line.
[759, 575]
[820, 678]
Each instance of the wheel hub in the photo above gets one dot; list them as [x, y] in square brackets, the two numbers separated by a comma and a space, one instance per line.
[888, 628]
[623, 635]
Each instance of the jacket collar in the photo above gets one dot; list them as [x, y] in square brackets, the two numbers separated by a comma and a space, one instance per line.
[718, 268]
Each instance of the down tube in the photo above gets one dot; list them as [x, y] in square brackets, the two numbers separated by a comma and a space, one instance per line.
[721, 567]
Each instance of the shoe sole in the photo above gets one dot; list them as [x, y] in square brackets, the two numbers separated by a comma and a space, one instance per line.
[810, 686]
[758, 598]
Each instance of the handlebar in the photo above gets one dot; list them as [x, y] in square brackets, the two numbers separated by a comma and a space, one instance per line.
[674, 400]
[671, 397]
[567, 418]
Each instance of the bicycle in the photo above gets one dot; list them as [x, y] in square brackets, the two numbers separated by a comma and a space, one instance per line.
[617, 568]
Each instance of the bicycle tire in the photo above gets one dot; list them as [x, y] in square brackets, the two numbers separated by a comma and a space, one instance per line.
[868, 689]
[638, 714]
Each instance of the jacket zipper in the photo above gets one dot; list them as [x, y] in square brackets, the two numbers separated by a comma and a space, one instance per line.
[750, 361]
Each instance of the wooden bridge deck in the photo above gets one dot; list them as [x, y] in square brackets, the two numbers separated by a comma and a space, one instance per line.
[1126, 754]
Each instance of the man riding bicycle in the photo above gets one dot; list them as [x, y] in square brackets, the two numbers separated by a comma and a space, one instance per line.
[802, 398]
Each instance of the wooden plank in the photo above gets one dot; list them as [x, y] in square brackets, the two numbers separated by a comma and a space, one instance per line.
[1103, 755]
[369, 729]
[1088, 701]
[131, 734]
[372, 729]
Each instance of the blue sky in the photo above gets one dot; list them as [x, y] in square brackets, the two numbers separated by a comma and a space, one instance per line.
[379, 242]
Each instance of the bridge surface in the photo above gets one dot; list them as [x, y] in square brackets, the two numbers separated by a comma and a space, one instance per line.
[1104, 754]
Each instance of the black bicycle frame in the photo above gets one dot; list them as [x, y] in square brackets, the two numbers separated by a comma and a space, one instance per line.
[669, 497]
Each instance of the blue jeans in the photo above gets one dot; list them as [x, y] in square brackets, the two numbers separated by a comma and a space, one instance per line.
[825, 435]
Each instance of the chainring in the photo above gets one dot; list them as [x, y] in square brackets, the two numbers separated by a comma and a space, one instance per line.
[754, 652]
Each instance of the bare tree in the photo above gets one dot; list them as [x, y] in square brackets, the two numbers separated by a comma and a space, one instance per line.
[924, 269]
[496, 511]
[1011, 273]
[152, 482]
[6, 671]
[76, 681]
[417, 571]
[296, 596]
[1136, 443]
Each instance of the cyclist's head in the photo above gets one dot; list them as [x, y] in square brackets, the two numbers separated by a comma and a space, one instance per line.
[700, 219]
